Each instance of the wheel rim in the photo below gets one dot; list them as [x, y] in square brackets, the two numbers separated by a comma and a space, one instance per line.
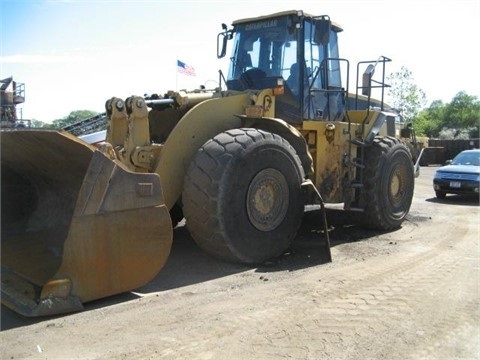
[397, 186]
[267, 199]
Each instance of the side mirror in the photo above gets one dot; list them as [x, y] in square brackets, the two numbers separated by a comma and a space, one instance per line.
[323, 27]
[367, 80]
[406, 132]
[222, 39]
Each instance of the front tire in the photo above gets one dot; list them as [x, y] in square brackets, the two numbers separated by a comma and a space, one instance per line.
[440, 194]
[242, 197]
[389, 184]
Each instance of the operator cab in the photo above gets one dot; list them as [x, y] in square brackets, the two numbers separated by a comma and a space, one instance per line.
[301, 49]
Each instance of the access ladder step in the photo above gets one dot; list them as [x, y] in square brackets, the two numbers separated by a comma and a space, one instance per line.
[357, 185]
[359, 142]
[356, 209]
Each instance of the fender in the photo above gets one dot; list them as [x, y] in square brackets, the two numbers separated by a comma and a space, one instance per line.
[372, 122]
[289, 133]
[197, 126]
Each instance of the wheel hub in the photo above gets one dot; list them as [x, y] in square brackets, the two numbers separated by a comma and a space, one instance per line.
[267, 199]
[396, 187]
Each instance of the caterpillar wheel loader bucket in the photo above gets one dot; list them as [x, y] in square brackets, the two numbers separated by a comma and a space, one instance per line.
[76, 225]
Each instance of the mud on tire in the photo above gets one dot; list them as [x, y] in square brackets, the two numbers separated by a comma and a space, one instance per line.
[242, 196]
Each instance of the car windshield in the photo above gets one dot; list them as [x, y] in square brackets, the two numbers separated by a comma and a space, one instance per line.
[467, 158]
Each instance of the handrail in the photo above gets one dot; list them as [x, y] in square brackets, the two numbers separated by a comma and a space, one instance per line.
[380, 84]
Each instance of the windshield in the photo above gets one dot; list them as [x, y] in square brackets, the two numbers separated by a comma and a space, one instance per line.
[467, 158]
[269, 45]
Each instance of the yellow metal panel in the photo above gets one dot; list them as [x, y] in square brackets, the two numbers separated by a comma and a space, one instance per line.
[360, 116]
[115, 252]
[329, 144]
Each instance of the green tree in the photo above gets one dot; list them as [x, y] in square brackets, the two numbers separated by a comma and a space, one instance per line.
[463, 115]
[73, 117]
[404, 95]
[459, 119]
[37, 123]
[429, 121]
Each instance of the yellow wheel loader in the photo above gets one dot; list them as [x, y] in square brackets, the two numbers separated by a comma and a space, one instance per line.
[239, 162]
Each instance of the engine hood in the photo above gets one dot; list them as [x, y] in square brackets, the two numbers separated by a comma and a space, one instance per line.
[465, 169]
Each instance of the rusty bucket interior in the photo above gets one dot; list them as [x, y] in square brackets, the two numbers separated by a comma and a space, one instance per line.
[75, 225]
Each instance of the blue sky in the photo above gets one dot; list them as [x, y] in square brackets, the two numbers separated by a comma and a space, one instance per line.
[76, 54]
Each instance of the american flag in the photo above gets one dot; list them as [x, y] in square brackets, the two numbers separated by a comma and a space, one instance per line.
[185, 69]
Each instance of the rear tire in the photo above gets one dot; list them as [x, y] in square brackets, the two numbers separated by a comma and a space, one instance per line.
[242, 196]
[389, 184]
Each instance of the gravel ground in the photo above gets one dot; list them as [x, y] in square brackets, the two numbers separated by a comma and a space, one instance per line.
[407, 294]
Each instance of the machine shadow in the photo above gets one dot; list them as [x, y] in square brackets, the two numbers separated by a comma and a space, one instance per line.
[457, 200]
[310, 245]
[188, 264]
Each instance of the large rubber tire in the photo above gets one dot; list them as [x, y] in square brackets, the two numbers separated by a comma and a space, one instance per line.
[389, 183]
[242, 197]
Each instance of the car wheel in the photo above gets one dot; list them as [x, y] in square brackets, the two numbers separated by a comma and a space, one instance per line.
[440, 194]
